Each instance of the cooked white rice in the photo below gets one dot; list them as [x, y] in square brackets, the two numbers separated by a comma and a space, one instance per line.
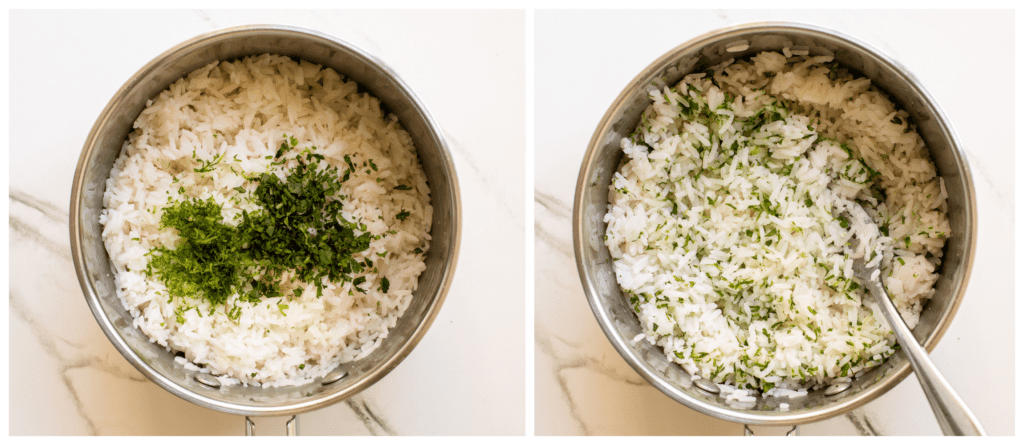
[242, 110]
[726, 235]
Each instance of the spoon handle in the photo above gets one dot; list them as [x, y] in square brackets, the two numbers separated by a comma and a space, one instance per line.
[954, 417]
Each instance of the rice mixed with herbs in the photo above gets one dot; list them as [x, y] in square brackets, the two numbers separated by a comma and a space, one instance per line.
[725, 231]
[266, 220]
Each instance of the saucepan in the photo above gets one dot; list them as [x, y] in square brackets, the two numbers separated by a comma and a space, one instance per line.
[612, 309]
[104, 144]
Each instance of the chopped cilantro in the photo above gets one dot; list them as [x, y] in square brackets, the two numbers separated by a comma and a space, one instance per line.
[299, 228]
[207, 166]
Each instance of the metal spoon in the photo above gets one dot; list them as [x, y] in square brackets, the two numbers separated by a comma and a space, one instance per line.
[954, 417]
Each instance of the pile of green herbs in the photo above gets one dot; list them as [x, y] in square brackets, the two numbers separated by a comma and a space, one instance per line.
[299, 229]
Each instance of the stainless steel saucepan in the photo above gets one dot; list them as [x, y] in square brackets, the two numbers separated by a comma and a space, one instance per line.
[104, 144]
[612, 309]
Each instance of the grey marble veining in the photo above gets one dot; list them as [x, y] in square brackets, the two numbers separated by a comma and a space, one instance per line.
[206, 19]
[34, 224]
[376, 425]
[860, 421]
[24, 209]
[479, 176]
[551, 207]
[568, 355]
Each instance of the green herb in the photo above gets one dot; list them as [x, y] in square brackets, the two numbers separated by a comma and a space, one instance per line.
[846, 148]
[206, 263]
[298, 229]
[402, 215]
[767, 114]
[403, 187]
[285, 146]
[384, 285]
[357, 282]
[843, 222]
[302, 366]
[207, 166]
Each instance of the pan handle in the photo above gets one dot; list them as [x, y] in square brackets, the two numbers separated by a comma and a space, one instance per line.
[791, 432]
[291, 427]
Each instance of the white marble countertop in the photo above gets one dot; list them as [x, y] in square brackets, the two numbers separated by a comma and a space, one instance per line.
[584, 59]
[467, 66]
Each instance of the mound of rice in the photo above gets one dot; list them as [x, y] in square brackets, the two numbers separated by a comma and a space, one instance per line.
[243, 110]
[725, 230]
